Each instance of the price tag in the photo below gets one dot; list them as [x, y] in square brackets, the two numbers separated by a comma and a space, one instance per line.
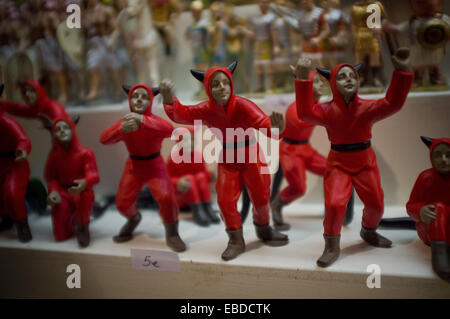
[155, 260]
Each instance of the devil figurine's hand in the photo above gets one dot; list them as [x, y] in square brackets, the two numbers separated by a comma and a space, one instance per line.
[79, 187]
[21, 155]
[401, 60]
[53, 198]
[301, 70]
[277, 121]
[427, 214]
[131, 122]
[165, 88]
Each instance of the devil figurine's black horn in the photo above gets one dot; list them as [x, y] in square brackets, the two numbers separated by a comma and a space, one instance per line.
[155, 91]
[199, 75]
[232, 67]
[426, 140]
[126, 88]
[324, 72]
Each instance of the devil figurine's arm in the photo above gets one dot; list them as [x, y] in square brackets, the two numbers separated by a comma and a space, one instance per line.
[395, 96]
[50, 172]
[90, 168]
[21, 110]
[183, 114]
[157, 124]
[417, 198]
[21, 139]
[307, 110]
[112, 134]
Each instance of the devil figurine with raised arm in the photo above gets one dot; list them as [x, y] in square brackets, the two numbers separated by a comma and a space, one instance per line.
[71, 173]
[143, 133]
[225, 112]
[351, 161]
[429, 205]
[14, 173]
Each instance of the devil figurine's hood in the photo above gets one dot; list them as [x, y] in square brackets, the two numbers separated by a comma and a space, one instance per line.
[331, 76]
[74, 143]
[41, 94]
[152, 92]
[433, 142]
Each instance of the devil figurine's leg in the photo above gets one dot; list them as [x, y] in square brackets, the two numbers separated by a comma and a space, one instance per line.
[162, 189]
[258, 185]
[14, 189]
[368, 187]
[62, 217]
[84, 205]
[228, 188]
[130, 186]
[439, 236]
[337, 190]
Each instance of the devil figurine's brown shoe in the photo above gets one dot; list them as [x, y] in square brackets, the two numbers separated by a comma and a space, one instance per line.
[331, 251]
[270, 236]
[173, 239]
[371, 236]
[83, 235]
[236, 244]
[277, 205]
[126, 232]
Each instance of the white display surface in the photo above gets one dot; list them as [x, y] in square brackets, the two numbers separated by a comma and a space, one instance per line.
[38, 268]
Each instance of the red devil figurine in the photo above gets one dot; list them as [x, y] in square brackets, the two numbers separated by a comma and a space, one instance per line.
[348, 120]
[37, 104]
[429, 205]
[143, 132]
[192, 180]
[223, 110]
[14, 173]
[71, 173]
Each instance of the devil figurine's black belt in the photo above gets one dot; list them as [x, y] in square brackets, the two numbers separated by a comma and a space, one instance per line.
[294, 142]
[145, 158]
[351, 147]
[235, 145]
[7, 154]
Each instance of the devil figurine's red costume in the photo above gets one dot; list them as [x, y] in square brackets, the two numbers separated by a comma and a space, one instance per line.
[14, 174]
[66, 164]
[296, 156]
[198, 176]
[433, 188]
[197, 194]
[43, 108]
[144, 166]
[351, 160]
[237, 112]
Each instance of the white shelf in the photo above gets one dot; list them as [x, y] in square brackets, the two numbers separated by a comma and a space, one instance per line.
[38, 268]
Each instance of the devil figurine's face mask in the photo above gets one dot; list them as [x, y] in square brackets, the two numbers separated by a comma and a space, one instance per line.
[29, 94]
[139, 100]
[63, 132]
[440, 158]
[346, 82]
[220, 88]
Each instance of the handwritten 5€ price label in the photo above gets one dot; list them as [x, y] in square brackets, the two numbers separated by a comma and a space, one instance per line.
[155, 260]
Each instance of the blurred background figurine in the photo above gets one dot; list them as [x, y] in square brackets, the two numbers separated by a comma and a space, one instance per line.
[261, 32]
[428, 32]
[71, 173]
[367, 45]
[135, 27]
[335, 44]
[99, 22]
[164, 14]
[197, 35]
